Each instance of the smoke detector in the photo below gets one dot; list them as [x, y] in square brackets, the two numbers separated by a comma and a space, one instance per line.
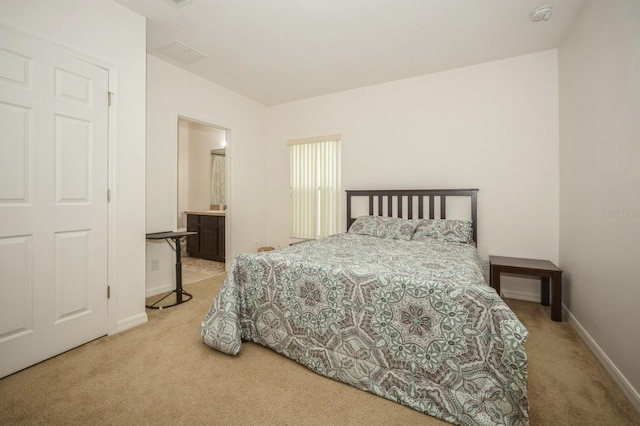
[540, 13]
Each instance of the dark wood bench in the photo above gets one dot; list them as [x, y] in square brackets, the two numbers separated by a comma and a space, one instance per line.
[534, 267]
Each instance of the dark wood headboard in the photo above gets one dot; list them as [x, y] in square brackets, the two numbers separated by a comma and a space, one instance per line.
[376, 198]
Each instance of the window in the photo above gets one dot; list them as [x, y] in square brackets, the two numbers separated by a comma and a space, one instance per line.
[315, 186]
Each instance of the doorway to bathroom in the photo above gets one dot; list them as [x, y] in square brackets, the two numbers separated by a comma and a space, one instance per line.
[202, 197]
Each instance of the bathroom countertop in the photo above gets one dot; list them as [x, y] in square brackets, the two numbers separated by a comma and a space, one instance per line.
[207, 212]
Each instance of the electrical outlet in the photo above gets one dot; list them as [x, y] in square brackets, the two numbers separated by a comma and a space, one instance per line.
[485, 264]
[155, 264]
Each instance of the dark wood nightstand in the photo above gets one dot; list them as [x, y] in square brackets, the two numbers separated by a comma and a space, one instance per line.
[534, 267]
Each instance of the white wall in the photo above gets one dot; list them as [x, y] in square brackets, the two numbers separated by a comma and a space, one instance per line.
[599, 64]
[112, 34]
[172, 92]
[492, 126]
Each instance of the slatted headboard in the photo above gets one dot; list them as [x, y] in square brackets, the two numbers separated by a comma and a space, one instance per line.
[395, 198]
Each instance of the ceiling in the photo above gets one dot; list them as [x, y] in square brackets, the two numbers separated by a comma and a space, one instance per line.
[276, 51]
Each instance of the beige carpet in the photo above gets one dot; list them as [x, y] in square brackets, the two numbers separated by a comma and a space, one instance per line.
[194, 269]
[161, 374]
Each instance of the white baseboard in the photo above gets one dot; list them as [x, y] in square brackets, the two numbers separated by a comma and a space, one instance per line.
[619, 378]
[520, 295]
[134, 321]
[166, 288]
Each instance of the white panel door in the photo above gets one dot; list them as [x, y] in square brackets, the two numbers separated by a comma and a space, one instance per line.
[53, 201]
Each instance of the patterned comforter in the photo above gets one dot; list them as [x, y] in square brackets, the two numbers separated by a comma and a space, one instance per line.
[411, 321]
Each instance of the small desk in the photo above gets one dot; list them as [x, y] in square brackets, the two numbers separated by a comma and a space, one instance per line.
[175, 236]
[534, 267]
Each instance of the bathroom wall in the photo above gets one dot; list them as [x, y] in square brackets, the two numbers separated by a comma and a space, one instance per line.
[195, 142]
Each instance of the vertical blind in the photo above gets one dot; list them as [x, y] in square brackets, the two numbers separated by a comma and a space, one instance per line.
[315, 186]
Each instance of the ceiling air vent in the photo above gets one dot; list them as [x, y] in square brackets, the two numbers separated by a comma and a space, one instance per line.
[178, 3]
[180, 52]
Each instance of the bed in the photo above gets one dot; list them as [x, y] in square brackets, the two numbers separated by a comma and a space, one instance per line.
[397, 306]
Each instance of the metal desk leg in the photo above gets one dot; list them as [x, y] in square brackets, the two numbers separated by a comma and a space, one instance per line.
[178, 271]
[178, 291]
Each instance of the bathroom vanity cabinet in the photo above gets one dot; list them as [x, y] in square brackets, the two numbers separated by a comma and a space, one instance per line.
[209, 241]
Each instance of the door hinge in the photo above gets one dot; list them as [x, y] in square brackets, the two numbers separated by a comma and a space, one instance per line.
[108, 195]
[108, 292]
[109, 94]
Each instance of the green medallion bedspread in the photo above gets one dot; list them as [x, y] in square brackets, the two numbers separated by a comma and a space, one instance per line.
[411, 321]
